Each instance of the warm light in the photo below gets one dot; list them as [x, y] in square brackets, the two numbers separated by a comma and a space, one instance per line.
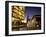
[20, 13]
[34, 20]
[13, 19]
[15, 10]
[24, 21]
[21, 7]
[16, 7]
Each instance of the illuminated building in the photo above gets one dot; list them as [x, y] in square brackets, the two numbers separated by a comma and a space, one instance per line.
[35, 22]
[17, 16]
[18, 12]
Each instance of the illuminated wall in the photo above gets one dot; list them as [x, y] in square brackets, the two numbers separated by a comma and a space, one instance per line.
[18, 12]
[17, 15]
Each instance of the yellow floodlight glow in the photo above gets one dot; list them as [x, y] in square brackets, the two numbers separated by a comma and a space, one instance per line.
[19, 13]
[24, 21]
[16, 7]
[21, 7]
[13, 18]
[15, 10]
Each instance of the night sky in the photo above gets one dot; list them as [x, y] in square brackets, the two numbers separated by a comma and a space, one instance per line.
[31, 11]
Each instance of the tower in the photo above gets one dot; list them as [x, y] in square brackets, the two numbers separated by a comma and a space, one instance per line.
[17, 16]
[18, 12]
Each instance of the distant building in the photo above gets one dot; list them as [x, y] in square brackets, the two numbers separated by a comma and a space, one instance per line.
[35, 22]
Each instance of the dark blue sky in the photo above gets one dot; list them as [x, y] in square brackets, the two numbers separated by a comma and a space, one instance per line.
[31, 11]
